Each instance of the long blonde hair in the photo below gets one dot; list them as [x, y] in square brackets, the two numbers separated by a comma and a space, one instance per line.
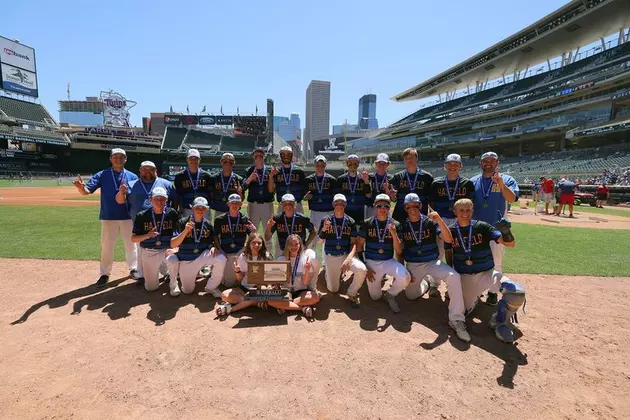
[262, 253]
[287, 253]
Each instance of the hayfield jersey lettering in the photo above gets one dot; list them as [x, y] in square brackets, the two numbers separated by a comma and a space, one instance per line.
[257, 193]
[185, 191]
[350, 230]
[429, 249]
[372, 245]
[302, 227]
[481, 254]
[438, 196]
[423, 184]
[143, 224]
[186, 249]
[110, 209]
[297, 184]
[222, 230]
[219, 198]
[323, 201]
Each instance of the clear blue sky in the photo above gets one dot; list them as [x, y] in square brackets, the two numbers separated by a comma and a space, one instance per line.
[238, 53]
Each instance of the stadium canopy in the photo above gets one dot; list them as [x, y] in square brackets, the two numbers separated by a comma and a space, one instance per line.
[574, 25]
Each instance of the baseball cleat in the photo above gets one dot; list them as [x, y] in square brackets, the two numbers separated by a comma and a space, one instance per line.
[391, 301]
[134, 274]
[503, 331]
[175, 291]
[205, 271]
[460, 330]
[355, 301]
[492, 299]
[102, 281]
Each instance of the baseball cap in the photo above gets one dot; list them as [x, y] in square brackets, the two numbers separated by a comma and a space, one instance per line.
[288, 197]
[382, 157]
[193, 153]
[148, 163]
[382, 197]
[200, 202]
[412, 198]
[234, 198]
[319, 158]
[339, 197]
[490, 155]
[353, 157]
[118, 151]
[286, 149]
[227, 156]
[453, 157]
[259, 150]
[159, 192]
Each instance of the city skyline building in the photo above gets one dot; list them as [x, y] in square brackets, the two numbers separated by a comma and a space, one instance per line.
[317, 123]
[367, 112]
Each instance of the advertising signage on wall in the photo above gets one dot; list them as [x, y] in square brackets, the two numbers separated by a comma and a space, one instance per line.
[18, 80]
[18, 72]
[32, 139]
[17, 55]
[198, 119]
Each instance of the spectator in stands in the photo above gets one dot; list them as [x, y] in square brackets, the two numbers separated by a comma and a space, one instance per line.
[603, 194]
[411, 180]
[259, 199]
[567, 196]
[193, 182]
[288, 179]
[356, 188]
[115, 218]
[492, 191]
[321, 188]
[379, 182]
[224, 184]
[547, 186]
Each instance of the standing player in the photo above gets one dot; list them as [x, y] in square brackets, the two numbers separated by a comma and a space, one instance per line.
[193, 250]
[411, 180]
[339, 231]
[288, 179]
[153, 229]
[379, 182]
[356, 188]
[492, 190]
[259, 199]
[231, 230]
[472, 258]
[420, 241]
[224, 184]
[321, 187]
[193, 182]
[115, 218]
[289, 222]
[379, 237]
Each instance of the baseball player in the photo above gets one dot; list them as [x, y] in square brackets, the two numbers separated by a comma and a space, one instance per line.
[115, 218]
[224, 184]
[193, 249]
[259, 199]
[379, 237]
[492, 190]
[289, 222]
[420, 236]
[356, 188]
[153, 229]
[193, 182]
[231, 230]
[411, 180]
[472, 258]
[339, 231]
[288, 179]
[321, 187]
[379, 182]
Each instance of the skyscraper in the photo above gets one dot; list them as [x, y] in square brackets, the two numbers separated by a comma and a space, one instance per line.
[367, 112]
[317, 114]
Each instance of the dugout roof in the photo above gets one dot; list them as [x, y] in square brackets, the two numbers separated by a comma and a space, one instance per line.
[576, 24]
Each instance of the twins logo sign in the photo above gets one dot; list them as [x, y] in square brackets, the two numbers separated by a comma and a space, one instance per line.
[116, 109]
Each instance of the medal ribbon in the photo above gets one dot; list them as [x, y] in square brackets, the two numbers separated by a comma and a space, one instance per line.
[377, 184]
[148, 193]
[467, 250]
[161, 221]
[417, 237]
[261, 178]
[226, 185]
[238, 222]
[451, 199]
[485, 193]
[319, 186]
[353, 188]
[195, 184]
[381, 238]
[287, 181]
[294, 270]
[286, 224]
[412, 186]
[121, 178]
[339, 233]
[198, 239]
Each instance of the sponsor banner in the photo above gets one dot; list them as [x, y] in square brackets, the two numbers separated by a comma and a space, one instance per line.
[621, 94]
[18, 80]
[190, 119]
[224, 119]
[533, 130]
[601, 130]
[116, 109]
[486, 138]
[125, 147]
[34, 140]
[12, 166]
[198, 119]
[111, 132]
[16, 54]
[172, 119]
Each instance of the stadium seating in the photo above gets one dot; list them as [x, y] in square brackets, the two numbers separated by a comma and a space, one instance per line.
[27, 112]
[202, 140]
[173, 138]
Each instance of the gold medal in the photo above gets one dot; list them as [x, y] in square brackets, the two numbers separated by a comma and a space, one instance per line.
[338, 247]
[196, 251]
[381, 251]
[469, 262]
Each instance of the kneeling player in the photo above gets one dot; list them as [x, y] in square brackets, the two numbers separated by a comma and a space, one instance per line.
[378, 236]
[340, 233]
[420, 236]
[194, 250]
[153, 228]
[472, 258]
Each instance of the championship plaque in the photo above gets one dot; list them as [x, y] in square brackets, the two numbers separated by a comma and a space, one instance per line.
[265, 275]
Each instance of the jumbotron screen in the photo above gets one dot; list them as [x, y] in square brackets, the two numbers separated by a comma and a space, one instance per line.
[250, 125]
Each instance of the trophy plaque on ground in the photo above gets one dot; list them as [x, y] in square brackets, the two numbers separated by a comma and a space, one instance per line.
[265, 275]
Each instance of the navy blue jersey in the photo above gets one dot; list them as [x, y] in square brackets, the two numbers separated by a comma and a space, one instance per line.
[166, 226]
[296, 186]
[188, 186]
[425, 249]
[321, 201]
[356, 192]
[376, 183]
[441, 189]
[201, 239]
[233, 240]
[374, 248]
[403, 182]
[481, 254]
[257, 190]
[345, 230]
[300, 225]
[222, 187]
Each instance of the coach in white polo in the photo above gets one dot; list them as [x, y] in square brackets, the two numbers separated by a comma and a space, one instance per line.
[115, 218]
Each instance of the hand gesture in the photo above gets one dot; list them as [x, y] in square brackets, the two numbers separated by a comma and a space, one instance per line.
[370, 275]
[79, 182]
[433, 215]
[239, 190]
[365, 176]
[391, 228]
[270, 223]
[190, 226]
[213, 252]
[237, 268]
[253, 177]
[153, 233]
[391, 191]
[172, 251]
[308, 195]
[307, 265]
[250, 227]
[123, 187]
[497, 178]
[344, 266]
[274, 171]
[327, 224]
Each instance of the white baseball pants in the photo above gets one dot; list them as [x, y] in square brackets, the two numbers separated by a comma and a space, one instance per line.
[315, 266]
[473, 285]
[498, 250]
[387, 267]
[163, 269]
[188, 270]
[229, 275]
[440, 272]
[152, 262]
[332, 264]
[110, 229]
[259, 213]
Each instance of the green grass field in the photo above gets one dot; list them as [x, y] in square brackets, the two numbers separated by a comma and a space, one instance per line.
[73, 233]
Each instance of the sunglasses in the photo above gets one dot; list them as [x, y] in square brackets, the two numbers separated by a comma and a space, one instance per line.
[413, 207]
[382, 206]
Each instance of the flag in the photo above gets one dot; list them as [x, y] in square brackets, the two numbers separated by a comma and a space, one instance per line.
[171, 108]
[204, 109]
[187, 110]
[221, 109]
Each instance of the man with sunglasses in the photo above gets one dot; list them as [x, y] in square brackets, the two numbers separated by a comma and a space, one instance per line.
[224, 184]
[193, 182]
[420, 235]
[379, 240]
[259, 199]
[411, 180]
[288, 179]
[380, 182]
[356, 188]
